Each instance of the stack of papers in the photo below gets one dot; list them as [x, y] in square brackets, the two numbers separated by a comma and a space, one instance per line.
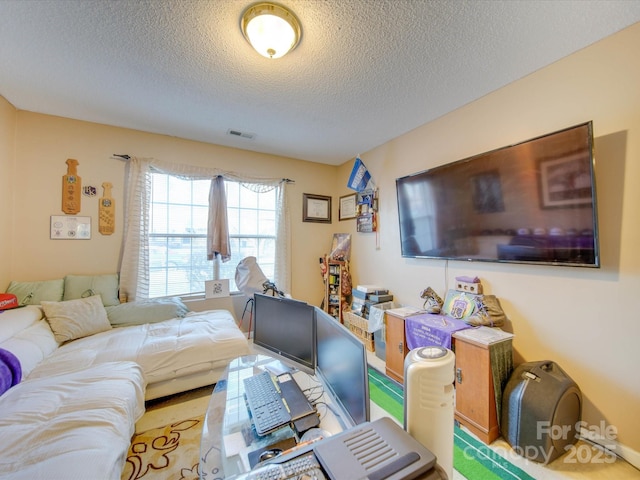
[484, 335]
[404, 312]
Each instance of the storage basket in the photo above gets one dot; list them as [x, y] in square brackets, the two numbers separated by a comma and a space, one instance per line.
[358, 326]
[357, 321]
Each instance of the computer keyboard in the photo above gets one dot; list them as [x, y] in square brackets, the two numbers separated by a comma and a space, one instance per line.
[304, 467]
[268, 410]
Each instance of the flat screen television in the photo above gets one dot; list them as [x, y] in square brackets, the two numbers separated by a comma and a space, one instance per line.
[342, 369]
[533, 202]
[286, 328]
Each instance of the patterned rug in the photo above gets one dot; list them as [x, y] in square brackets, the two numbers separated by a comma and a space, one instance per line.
[166, 453]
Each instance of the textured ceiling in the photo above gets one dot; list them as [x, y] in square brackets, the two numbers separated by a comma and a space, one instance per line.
[366, 71]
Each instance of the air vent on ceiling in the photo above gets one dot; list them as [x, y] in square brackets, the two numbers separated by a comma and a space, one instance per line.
[238, 133]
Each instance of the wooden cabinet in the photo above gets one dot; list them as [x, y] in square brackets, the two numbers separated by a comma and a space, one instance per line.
[475, 394]
[333, 296]
[396, 347]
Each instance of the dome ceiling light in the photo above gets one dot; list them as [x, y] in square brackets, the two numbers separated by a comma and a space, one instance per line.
[271, 29]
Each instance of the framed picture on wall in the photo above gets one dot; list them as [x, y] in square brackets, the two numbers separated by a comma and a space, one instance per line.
[70, 227]
[347, 207]
[316, 208]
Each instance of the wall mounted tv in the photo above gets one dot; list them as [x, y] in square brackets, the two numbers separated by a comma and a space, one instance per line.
[533, 202]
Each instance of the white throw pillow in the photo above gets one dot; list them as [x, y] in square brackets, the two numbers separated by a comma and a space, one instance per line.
[76, 318]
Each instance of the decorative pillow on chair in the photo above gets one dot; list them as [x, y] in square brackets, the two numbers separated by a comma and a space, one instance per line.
[83, 286]
[33, 293]
[76, 318]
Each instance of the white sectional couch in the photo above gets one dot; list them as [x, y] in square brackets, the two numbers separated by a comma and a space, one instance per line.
[73, 413]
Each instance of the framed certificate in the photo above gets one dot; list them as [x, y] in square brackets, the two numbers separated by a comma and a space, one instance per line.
[347, 207]
[70, 227]
[316, 208]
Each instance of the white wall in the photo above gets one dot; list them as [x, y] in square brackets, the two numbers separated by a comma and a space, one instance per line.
[584, 319]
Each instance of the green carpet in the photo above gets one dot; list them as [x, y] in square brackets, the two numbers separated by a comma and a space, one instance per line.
[471, 458]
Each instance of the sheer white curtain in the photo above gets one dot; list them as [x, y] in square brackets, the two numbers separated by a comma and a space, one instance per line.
[282, 271]
[134, 268]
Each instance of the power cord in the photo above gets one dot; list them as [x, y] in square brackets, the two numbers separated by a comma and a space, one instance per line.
[250, 301]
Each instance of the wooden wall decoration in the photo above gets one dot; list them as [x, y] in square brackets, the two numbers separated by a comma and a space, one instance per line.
[71, 188]
[106, 211]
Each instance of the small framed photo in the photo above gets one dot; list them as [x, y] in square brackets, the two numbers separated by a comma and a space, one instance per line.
[365, 223]
[347, 207]
[316, 208]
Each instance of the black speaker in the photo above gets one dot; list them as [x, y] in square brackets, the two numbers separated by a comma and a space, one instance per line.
[541, 410]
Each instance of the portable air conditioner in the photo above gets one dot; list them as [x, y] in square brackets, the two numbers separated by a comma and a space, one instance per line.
[429, 401]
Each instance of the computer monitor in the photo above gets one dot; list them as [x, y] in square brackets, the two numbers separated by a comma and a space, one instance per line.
[286, 328]
[342, 368]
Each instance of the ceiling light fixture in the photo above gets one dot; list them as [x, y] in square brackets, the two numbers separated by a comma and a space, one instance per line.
[271, 29]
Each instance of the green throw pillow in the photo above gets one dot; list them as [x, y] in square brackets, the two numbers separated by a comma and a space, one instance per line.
[83, 286]
[33, 293]
[146, 311]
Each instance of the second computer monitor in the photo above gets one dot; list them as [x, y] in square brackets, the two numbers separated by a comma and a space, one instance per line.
[342, 367]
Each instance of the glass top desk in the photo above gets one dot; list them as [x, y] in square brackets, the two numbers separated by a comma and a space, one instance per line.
[227, 433]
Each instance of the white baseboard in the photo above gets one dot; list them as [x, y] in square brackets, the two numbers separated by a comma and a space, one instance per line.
[630, 455]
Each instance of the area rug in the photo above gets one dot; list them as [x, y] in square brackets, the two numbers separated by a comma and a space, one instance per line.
[166, 453]
[471, 458]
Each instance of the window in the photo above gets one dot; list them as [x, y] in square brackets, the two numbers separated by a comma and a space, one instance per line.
[178, 262]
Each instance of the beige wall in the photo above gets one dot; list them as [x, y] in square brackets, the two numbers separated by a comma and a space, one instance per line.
[44, 143]
[7, 154]
[584, 319]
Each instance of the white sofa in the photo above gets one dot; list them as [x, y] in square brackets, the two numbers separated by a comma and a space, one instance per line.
[73, 413]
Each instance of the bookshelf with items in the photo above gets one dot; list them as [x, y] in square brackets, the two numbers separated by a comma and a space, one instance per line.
[334, 299]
